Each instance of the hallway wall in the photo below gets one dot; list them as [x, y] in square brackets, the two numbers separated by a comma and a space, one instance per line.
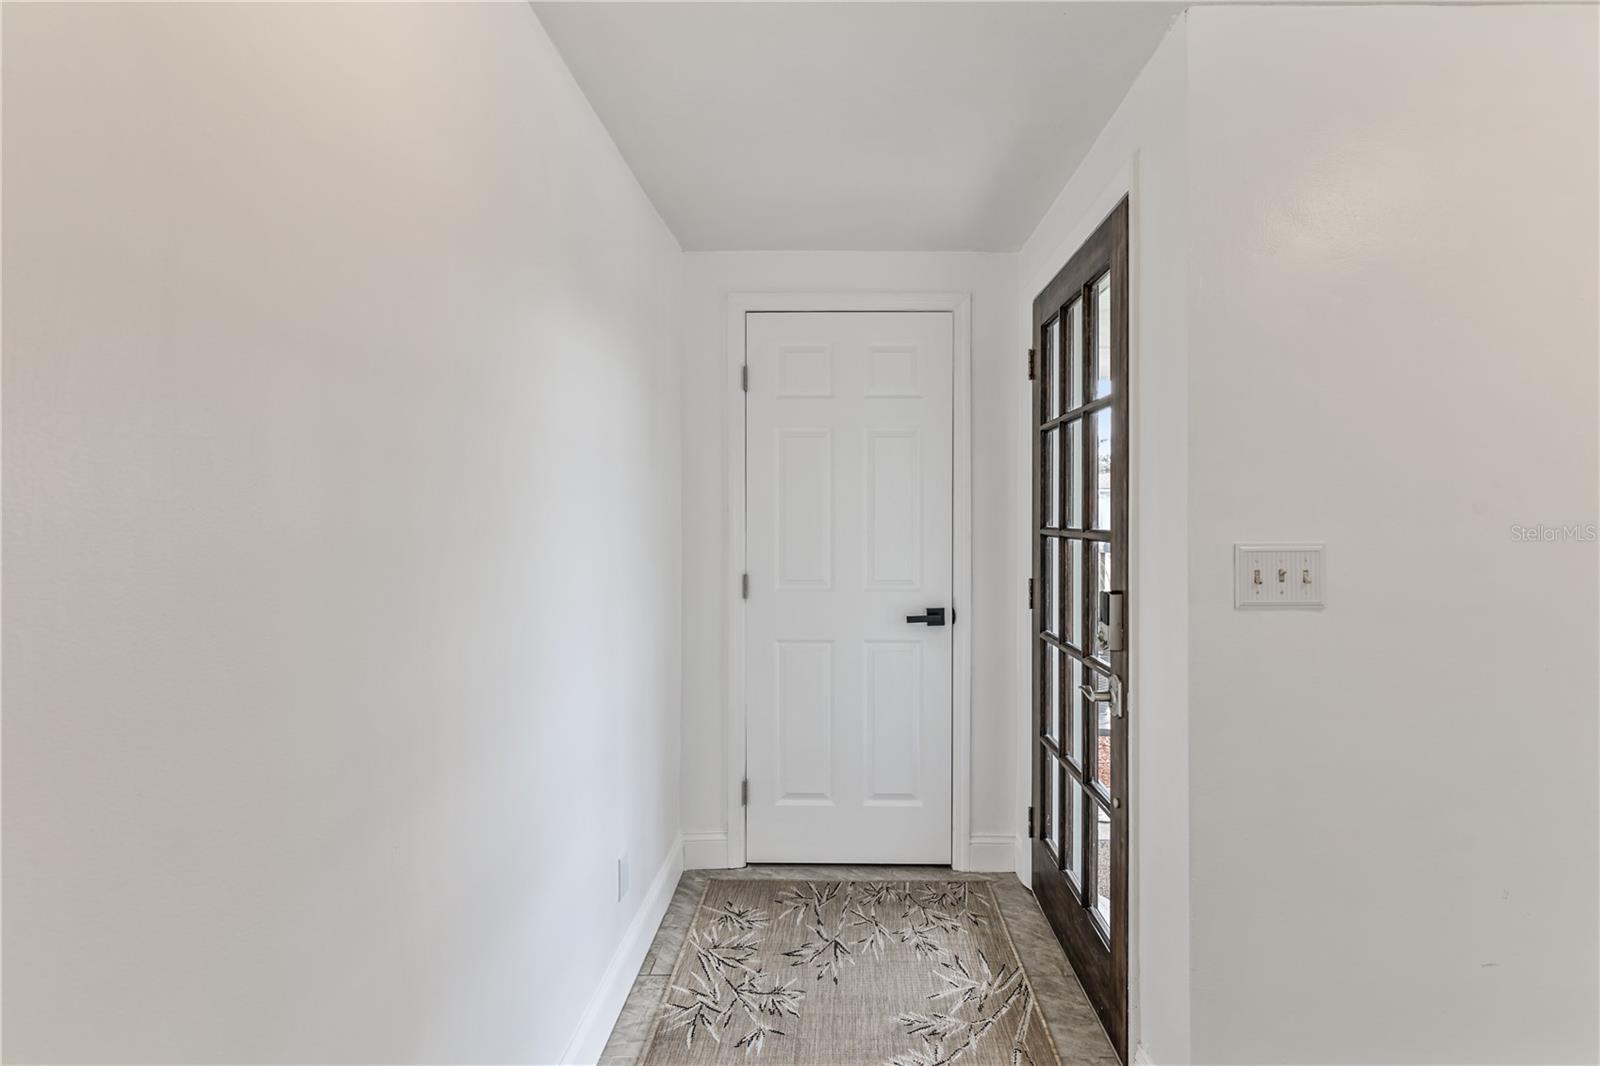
[1393, 292]
[1366, 266]
[341, 536]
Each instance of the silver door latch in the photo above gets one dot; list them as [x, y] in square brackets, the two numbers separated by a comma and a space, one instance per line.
[1108, 629]
[1111, 695]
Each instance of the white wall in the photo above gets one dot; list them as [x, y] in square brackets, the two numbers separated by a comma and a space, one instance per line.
[997, 362]
[1364, 250]
[1393, 349]
[1140, 154]
[342, 536]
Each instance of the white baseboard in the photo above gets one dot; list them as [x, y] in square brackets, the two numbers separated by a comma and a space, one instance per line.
[986, 852]
[600, 1016]
[992, 853]
[1141, 1057]
[705, 851]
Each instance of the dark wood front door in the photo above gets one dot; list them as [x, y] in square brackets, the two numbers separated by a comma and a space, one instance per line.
[1080, 648]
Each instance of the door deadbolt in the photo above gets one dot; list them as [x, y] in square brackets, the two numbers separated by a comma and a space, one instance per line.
[1108, 629]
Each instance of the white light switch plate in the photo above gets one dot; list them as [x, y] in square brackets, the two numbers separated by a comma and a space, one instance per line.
[1278, 575]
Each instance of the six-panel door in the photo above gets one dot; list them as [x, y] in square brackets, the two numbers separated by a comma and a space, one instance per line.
[849, 423]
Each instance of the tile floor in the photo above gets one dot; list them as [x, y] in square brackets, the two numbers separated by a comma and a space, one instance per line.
[1073, 1025]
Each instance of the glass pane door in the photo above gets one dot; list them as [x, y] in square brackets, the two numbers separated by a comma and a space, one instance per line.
[1081, 653]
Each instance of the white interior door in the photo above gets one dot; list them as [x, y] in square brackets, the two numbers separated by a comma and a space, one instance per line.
[850, 426]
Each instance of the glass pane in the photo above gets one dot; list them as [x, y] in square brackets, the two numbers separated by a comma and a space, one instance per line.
[1099, 578]
[1102, 336]
[1100, 431]
[1072, 593]
[1074, 745]
[1052, 804]
[1054, 591]
[1074, 339]
[1072, 474]
[1102, 864]
[1102, 734]
[1050, 383]
[1050, 480]
[1052, 693]
[1074, 823]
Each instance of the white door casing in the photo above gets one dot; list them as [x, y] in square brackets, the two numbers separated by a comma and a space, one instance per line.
[849, 529]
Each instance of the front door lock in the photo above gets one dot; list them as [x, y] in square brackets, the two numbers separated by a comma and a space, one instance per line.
[1108, 629]
[1111, 695]
[933, 616]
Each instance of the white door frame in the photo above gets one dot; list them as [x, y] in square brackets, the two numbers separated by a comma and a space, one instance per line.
[959, 305]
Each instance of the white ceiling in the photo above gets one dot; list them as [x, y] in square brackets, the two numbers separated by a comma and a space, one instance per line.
[854, 126]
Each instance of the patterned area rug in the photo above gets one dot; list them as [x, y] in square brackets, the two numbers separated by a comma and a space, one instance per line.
[900, 973]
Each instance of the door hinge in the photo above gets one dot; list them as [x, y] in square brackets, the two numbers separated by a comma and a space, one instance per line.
[744, 586]
[1031, 354]
[744, 377]
[744, 793]
[1030, 823]
[1030, 594]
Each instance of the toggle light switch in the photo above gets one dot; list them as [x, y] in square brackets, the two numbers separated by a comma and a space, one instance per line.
[1278, 575]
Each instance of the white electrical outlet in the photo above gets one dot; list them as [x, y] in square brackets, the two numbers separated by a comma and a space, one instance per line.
[622, 878]
[1278, 575]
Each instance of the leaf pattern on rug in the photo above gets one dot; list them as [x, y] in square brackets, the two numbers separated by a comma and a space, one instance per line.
[823, 952]
[981, 998]
[811, 897]
[743, 979]
[724, 986]
[875, 935]
[729, 918]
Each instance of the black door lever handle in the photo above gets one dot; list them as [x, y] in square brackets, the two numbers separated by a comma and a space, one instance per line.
[933, 617]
